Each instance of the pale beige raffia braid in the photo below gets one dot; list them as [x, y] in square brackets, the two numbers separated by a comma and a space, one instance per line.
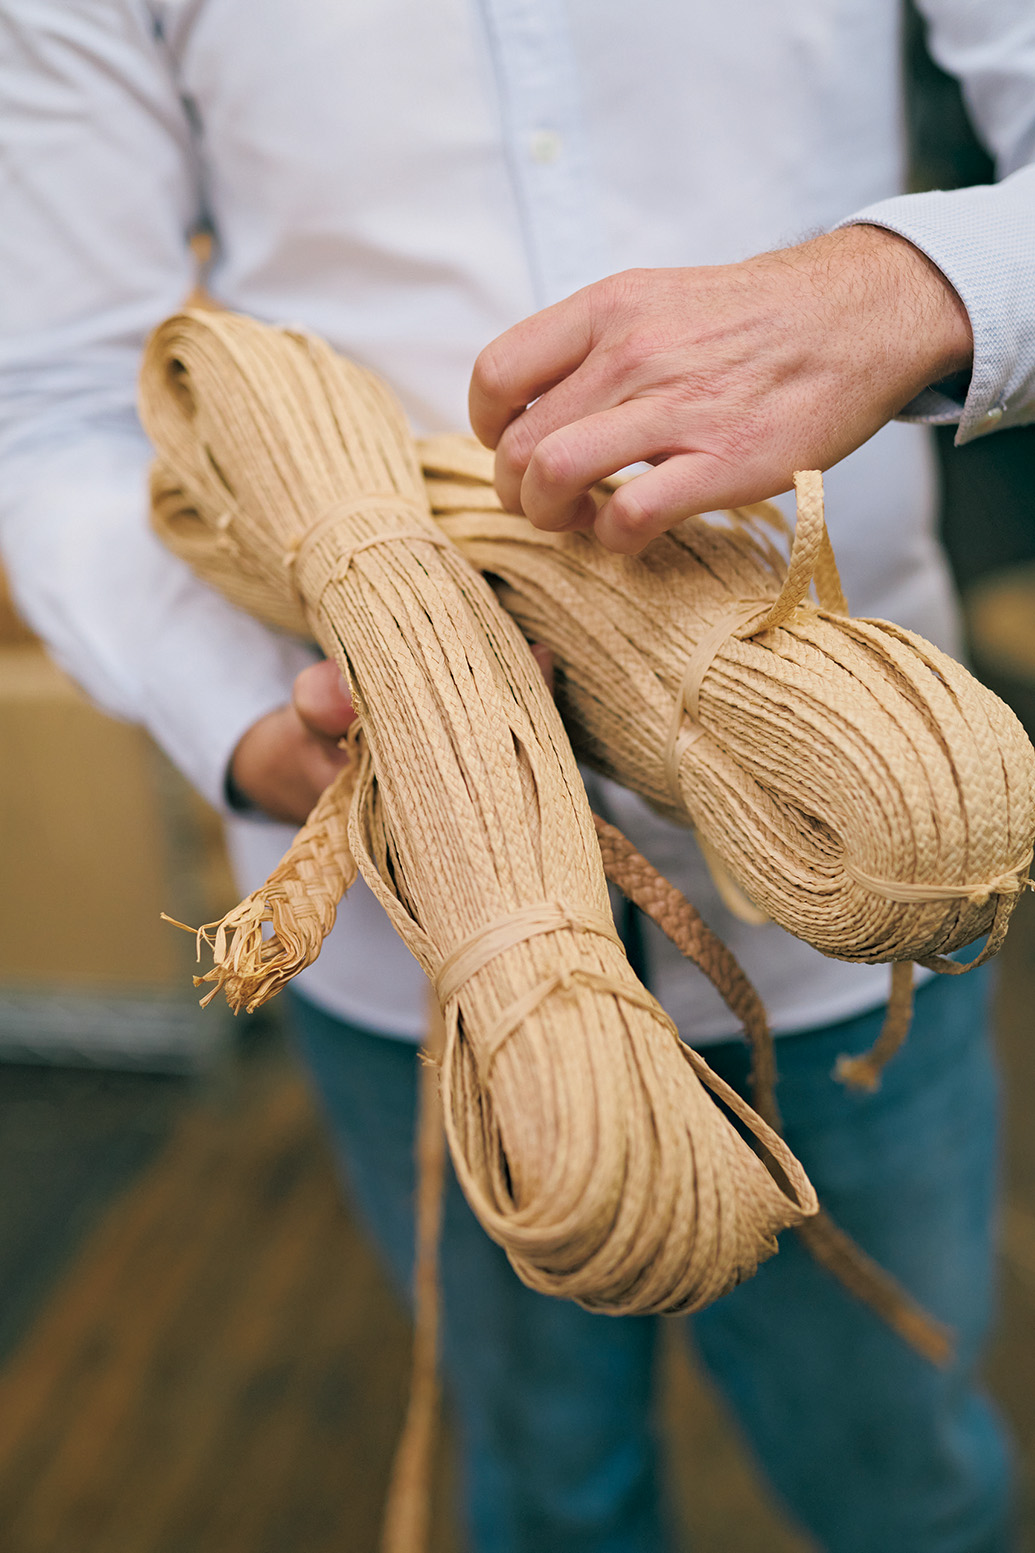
[299, 901]
[844, 777]
[581, 1133]
[408, 1503]
[860, 786]
[315, 891]
[826, 1241]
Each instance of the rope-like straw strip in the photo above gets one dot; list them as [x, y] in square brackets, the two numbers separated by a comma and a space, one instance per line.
[824, 762]
[581, 1134]
[734, 622]
[846, 760]
[1010, 882]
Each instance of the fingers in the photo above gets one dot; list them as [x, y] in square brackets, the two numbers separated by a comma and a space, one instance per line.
[544, 658]
[565, 464]
[651, 503]
[524, 363]
[282, 767]
[321, 698]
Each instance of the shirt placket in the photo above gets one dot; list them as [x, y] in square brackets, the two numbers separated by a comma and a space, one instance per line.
[546, 143]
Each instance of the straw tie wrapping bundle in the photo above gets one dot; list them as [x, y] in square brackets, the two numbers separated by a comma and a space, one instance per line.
[577, 1121]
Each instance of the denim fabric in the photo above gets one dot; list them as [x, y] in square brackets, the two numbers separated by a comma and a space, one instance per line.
[872, 1449]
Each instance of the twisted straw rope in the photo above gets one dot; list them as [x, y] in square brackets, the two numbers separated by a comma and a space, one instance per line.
[578, 1123]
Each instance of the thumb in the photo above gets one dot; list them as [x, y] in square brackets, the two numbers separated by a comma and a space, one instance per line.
[544, 657]
[321, 699]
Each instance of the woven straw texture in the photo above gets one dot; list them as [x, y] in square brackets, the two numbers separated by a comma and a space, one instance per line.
[578, 1123]
[844, 777]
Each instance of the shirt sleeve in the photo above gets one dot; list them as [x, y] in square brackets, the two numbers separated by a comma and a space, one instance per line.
[983, 238]
[100, 192]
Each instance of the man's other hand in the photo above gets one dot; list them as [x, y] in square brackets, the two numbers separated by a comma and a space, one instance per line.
[727, 379]
[285, 760]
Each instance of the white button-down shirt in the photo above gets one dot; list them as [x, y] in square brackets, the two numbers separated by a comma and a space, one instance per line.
[408, 178]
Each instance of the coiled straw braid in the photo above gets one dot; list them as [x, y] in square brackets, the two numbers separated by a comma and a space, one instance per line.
[860, 787]
[578, 1122]
[845, 778]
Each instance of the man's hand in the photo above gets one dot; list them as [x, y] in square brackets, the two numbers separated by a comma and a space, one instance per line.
[726, 378]
[286, 759]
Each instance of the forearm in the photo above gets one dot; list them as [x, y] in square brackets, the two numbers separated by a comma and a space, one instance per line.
[127, 620]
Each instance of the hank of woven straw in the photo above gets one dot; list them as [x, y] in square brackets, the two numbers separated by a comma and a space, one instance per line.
[859, 785]
[846, 778]
[578, 1122]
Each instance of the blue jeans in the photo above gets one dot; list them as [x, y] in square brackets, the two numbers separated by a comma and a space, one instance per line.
[871, 1448]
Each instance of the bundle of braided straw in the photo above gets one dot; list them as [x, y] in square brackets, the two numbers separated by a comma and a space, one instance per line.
[577, 1120]
[845, 778]
[861, 787]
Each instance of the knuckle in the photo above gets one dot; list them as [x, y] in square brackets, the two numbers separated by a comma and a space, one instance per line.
[516, 446]
[489, 374]
[624, 287]
[630, 512]
[552, 464]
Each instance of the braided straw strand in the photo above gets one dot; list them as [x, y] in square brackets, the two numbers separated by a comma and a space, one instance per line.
[813, 750]
[829, 763]
[583, 1137]
[299, 901]
[844, 777]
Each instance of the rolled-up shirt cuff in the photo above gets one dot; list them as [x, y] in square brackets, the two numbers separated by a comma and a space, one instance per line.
[983, 241]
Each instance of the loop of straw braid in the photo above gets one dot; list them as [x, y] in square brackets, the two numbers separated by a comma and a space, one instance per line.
[407, 1506]
[860, 787]
[590, 1150]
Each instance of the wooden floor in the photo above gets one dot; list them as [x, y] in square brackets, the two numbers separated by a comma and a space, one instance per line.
[221, 1369]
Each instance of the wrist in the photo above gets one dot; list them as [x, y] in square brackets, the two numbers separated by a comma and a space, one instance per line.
[919, 321]
[235, 798]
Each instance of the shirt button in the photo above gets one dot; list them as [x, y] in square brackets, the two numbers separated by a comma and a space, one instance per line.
[545, 146]
[994, 414]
